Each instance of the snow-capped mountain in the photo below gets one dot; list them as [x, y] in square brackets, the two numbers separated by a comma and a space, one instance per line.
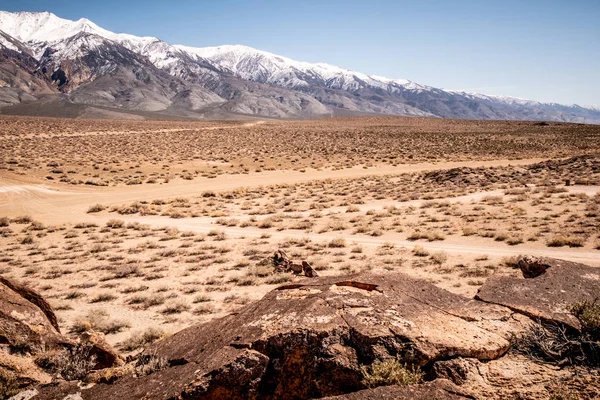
[82, 63]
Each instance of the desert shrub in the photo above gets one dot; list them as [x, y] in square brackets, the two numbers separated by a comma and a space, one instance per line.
[95, 208]
[356, 250]
[98, 248]
[469, 231]
[115, 223]
[175, 307]
[98, 320]
[588, 314]
[511, 262]
[260, 271]
[150, 363]
[439, 257]
[419, 251]
[561, 345]
[4, 222]
[278, 279]
[27, 240]
[390, 372]
[560, 240]
[140, 339]
[431, 236]
[72, 364]
[73, 294]
[337, 243]
[8, 384]
[501, 236]
[202, 298]
[514, 240]
[23, 219]
[102, 297]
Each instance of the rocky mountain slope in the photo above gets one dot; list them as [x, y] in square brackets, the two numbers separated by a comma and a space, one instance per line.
[49, 64]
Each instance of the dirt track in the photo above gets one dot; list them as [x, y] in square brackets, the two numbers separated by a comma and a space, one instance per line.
[55, 204]
[61, 203]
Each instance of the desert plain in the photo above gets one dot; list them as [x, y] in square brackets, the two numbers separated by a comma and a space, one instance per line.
[139, 229]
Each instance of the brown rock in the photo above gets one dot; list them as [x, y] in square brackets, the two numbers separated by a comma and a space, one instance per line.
[33, 297]
[516, 377]
[308, 340]
[547, 296]
[27, 323]
[106, 355]
[532, 267]
[27, 328]
[295, 268]
[308, 270]
[456, 370]
[439, 389]
[23, 369]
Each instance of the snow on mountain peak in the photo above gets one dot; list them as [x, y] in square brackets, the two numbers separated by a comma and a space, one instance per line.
[40, 30]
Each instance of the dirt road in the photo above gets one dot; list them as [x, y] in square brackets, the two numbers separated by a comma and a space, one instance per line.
[56, 204]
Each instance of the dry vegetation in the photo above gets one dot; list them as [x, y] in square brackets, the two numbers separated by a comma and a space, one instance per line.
[150, 152]
[144, 269]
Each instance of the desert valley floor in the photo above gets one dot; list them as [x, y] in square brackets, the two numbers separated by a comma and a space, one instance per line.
[139, 229]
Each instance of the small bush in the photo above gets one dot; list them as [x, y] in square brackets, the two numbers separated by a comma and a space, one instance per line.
[98, 320]
[102, 297]
[337, 243]
[390, 372]
[24, 219]
[8, 384]
[514, 240]
[96, 208]
[561, 240]
[175, 307]
[140, 339]
[588, 314]
[115, 223]
[147, 364]
[439, 257]
[561, 345]
[419, 251]
[27, 240]
[72, 364]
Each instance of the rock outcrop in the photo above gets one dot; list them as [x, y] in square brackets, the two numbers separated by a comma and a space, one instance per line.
[29, 329]
[27, 322]
[314, 339]
[547, 290]
[282, 263]
[309, 340]
[439, 389]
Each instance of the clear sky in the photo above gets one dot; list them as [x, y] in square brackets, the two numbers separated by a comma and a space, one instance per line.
[546, 50]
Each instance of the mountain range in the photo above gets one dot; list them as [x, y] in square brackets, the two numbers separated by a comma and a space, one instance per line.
[51, 66]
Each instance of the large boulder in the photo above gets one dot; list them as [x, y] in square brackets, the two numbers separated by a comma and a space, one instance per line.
[309, 340]
[27, 322]
[29, 332]
[546, 291]
[27, 327]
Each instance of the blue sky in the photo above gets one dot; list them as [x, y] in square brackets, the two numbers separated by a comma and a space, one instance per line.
[542, 50]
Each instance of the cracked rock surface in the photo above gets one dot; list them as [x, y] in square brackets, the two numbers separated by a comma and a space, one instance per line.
[556, 285]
